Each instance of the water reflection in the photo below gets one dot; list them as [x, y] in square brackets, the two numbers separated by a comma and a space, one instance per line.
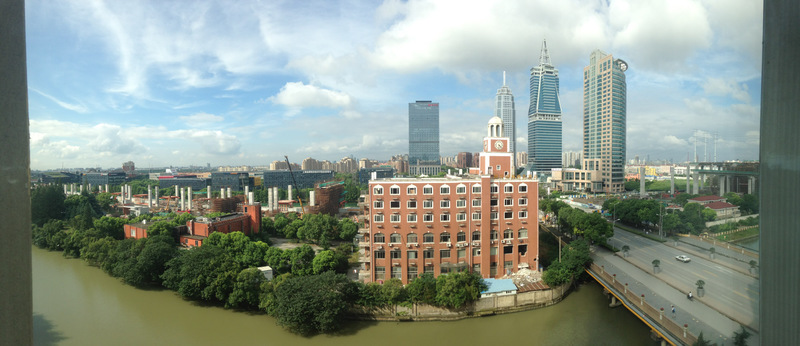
[44, 332]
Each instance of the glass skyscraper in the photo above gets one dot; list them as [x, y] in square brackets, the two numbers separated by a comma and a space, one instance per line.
[604, 117]
[544, 117]
[504, 109]
[423, 133]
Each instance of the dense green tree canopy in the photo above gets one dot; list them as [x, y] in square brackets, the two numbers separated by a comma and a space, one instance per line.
[313, 304]
[47, 203]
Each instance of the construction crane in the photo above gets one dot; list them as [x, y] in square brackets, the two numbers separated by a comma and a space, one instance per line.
[302, 209]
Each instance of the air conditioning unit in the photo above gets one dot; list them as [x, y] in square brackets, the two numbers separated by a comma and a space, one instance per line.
[449, 245]
[476, 244]
[408, 245]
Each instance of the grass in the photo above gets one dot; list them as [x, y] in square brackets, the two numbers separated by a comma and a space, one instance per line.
[748, 233]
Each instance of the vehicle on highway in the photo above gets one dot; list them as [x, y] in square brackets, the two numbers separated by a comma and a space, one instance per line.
[683, 258]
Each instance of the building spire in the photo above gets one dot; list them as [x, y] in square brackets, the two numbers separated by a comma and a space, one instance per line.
[544, 58]
[504, 78]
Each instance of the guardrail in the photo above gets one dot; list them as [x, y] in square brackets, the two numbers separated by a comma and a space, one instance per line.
[638, 305]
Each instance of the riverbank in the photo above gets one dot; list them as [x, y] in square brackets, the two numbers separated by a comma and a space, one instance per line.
[484, 306]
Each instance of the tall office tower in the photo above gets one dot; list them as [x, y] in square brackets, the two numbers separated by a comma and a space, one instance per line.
[423, 137]
[604, 117]
[504, 109]
[544, 117]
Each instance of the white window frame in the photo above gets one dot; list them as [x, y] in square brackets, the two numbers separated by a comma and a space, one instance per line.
[476, 216]
[494, 188]
[476, 202]
[461, 203]
[394, 218]
[426, 188]
[522, 188]
[394, 188]
[377, 190]
[508, 188]
[523, 214]
[377, 204]
[508, 202]
[476, 188]
[428, 202]
[411, 218]
[444, 190]
[411, 190]
[427, 217]
[408, 204]
[444, 204]
[494, 215]
[461, 189]
[461, 217]
[377, 218]
[523, 201]
[444, 217]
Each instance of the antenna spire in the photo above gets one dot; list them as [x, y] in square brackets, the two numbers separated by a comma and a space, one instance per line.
[544, 58]
[504, 78]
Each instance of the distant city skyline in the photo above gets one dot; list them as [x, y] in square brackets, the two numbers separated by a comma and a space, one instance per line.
[246, 83]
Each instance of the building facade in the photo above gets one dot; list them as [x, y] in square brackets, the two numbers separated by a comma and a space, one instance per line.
[544, 117]
[604, 117]
[365, 174]
[235, 180]
[305, 179]
[195, 183]
[423, 133]
[504, 109]
[111, 178]
[473, 222]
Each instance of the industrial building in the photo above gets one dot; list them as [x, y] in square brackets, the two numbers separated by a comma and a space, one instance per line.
[305, 179]
[237, 181]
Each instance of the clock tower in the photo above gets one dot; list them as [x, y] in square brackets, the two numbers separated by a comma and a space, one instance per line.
[496, 159]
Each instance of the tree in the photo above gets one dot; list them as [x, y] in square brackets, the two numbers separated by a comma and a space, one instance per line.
[313, 304]
[47, 203]
[749, 204]
[247, 289]
[159, 228]
[740, 338]
[98, 251]
[701, 341]
[422, 289]
[708, 215]
[393, 291]
[347, 229]
[110, 227]
[455, 290]
[301, 260]
[324, 261]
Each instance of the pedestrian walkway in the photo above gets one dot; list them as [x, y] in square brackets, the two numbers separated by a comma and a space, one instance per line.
[715, 326]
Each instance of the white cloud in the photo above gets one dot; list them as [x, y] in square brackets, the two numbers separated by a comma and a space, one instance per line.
[200, 119]
[726, 87]
[73, 107]
[296, 95]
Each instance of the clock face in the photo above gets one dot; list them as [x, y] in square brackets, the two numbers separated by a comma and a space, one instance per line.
[498, 145]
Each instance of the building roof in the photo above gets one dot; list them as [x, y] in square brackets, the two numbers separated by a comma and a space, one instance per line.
[499, 285]
[720, 205]
[706, 198]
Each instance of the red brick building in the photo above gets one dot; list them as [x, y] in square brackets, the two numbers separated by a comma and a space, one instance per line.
[475, 222]
[247, 221]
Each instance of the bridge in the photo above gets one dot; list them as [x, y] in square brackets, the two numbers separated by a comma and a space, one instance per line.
[731, 290]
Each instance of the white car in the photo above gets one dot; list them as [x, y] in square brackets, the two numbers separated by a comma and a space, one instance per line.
[683, 258]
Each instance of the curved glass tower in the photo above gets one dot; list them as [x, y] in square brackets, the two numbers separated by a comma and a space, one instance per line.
[544, 117]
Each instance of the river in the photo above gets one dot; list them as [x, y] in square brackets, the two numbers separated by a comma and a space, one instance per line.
[76, 304]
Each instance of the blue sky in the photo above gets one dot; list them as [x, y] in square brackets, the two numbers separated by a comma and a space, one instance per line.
[243, 83]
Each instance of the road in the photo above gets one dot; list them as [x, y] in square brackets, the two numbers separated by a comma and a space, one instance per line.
[729, 291]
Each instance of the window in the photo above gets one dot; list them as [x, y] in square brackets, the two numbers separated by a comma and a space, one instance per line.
[427, 270]
[494, 188]
[507, 266]
[411, 238]
[133, 232]
[493, 202]
[394, 218]
[396, 254]
[508, 188]
[476, 188]
[523, 233]
[444, 190]
[427, 238]
[427, 217]
[380, 254]
[411, 190]
[394, 190]
[412, 254]
[378, 218]
[444, 270]
[461, 189]
[461, 203]
[522, 249]
[380, 273]
[380, 238]
[461, 236]
[508, 234]
[523, 188]
[493, 269]
[476, 268]
[493, 235]
[523, 201]
[412, 273]
[476, 236]
[444, 237]
[444, 217]
[493, 251]
[476, 251]
[427, 204]
[444, 253]
[493, 215]
[397, 272]
[523, 214]
[461, 217]
[427, 190]
[476, 202]
[394, 204]
[377, 190]
[427, 253]
[476, 216]
[444, 204]
[508, 215]
[508, 202]
[461, 253]
[378, 204]
[412, 204]
[411, 217]
[395, 238]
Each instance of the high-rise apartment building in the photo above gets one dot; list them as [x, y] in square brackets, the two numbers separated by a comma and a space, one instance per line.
[504, 109]
[423, 137]
[544, 117]
[604, 118]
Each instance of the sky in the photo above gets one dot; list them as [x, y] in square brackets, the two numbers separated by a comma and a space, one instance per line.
[179, 83]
